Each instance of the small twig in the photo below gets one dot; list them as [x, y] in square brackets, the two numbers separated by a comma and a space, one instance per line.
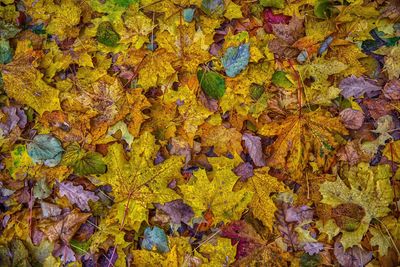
[390, 236]
[393, 173]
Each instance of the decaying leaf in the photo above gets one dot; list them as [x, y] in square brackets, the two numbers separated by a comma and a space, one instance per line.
[370, 189]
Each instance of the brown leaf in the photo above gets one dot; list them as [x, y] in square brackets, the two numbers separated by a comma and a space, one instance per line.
[349, 154]
[289, 32]
[253, 146]
[352, 119]
[392, 90]
[64, 229]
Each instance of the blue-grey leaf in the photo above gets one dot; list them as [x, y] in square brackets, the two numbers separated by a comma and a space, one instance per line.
[188, 14]
[45, 149]
[236, 59]
[213, 8]
[325, 44]
[155, 238]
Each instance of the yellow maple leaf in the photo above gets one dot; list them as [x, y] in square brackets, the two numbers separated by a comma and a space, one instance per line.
[233, 11]
[309, 137]
[192, 112]
[216, 195]
[138, 183]
[321, 91]
[221, 138]
[156, 69]
[62, 18]
[263, 184]
[219, 251]
[23, 82]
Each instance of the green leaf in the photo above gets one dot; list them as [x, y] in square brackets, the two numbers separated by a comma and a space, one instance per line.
[324, 9]
[83, 162]
[381, 240]
[6, 52]
[8, 30]
[256, 91]
[45, 149]
[279, 79]
[212, 83]
[106, 34]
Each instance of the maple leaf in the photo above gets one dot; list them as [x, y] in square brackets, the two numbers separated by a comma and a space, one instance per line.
[223, 139]
[156, 69]
[192, 112]
[262, 184]
[301, 139]
[137, 182]
[216, 195]
[23, 82]
[370, 189]
[217, 252]
[62, 18]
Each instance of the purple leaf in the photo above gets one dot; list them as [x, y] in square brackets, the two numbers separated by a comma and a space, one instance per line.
[313, 248]
[244, 170]
[270, 18]
[77, 195]
[286, 229]
[109, 259]
[253, 145]
[177, 210]
[356, 87]
[15, 117]
[244, 235]
[298, 214]
[65, 253]
[352, 257]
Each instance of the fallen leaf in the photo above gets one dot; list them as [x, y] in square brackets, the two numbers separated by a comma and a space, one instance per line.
[46, 149]
[253, 146]
[77, 195]
[352, 119]
[356, 87]
[155, 237]
[65, 228]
